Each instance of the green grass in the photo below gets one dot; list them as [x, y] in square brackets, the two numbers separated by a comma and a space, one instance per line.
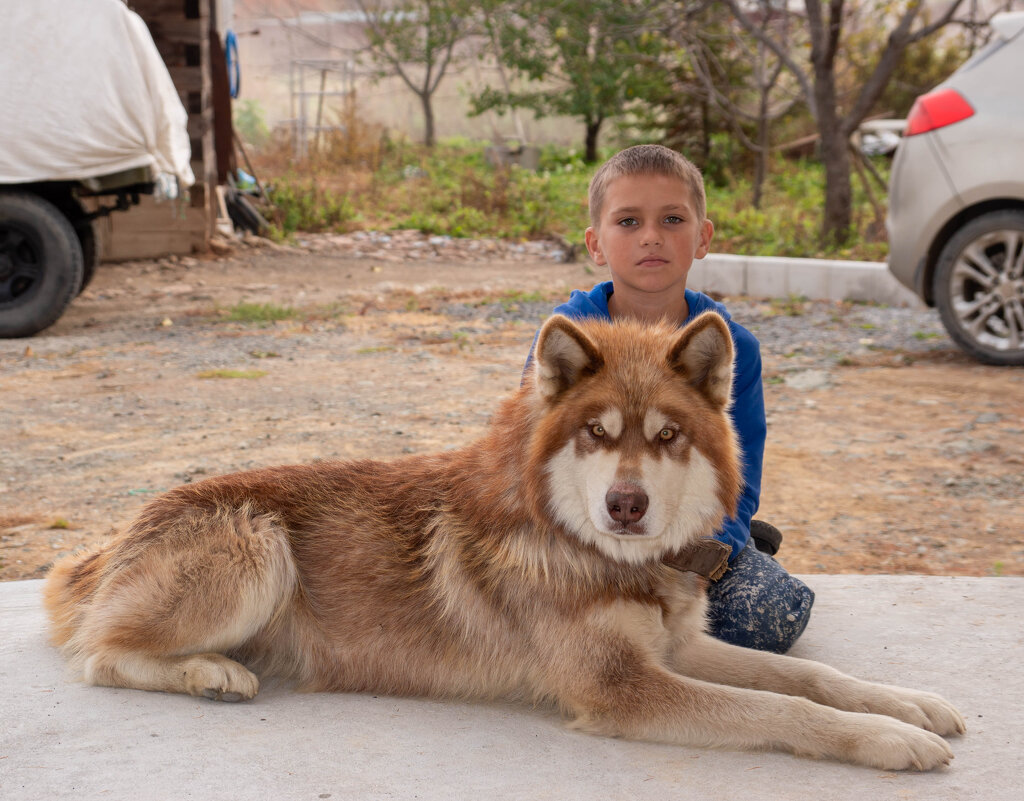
[788, 222]
[510, 300]
[792, 306]
[258, 313]
[451, 190]
[244, 374]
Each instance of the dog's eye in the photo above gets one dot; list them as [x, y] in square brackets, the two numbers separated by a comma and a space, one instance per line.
[666, 434]
[597, 430]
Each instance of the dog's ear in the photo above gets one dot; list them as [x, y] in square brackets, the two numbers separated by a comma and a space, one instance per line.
[703, 354]
[563, 354]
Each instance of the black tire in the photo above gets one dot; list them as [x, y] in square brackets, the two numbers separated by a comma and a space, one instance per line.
[243, 214]
[88, 232]
[979, 287]
[41, 264]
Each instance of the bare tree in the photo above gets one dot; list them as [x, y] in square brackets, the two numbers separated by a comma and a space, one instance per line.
[837, 118]
[746, 84]
[416, 40]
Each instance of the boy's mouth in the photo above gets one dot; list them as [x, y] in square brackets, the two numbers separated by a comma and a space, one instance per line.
[652, 261]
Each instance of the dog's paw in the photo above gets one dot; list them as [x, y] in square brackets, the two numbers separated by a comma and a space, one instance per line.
[219, 678]
[925, 710]
[888, 744]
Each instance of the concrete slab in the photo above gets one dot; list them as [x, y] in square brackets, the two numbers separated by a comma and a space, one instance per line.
[961, 637]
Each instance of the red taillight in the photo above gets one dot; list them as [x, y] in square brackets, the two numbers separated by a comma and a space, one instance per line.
[937, 110]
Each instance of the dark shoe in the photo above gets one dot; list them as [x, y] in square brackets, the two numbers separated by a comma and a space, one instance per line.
[767, 539]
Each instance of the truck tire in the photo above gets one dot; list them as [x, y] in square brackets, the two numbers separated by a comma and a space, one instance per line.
[88, 232]
[41, 264]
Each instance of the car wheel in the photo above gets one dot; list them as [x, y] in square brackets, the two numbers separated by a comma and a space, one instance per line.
[979, 287]
[40, 264]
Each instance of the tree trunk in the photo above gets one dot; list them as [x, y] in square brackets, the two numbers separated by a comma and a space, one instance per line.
[835, 229]
[590, 147]
[428, 120]
[761, 154]
[705, 133]
[838, 187]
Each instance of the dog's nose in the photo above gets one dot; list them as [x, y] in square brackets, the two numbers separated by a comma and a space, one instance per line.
[626, 507]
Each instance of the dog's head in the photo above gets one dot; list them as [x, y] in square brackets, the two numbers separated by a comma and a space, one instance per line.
[633, 446]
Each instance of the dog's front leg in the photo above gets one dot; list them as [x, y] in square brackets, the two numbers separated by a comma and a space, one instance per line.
[631, 697]
[704, 657]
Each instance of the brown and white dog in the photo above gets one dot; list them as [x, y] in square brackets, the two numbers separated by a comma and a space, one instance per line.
[532, 564]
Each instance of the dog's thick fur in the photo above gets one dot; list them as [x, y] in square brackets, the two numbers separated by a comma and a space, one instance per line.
[527, 565]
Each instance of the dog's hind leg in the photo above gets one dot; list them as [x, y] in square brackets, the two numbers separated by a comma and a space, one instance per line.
[209, 675]
[174, 603]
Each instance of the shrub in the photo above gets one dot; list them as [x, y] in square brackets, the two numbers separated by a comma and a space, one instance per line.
[452, 190]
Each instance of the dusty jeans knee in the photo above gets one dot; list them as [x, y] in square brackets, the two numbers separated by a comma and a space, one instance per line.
[757, 604]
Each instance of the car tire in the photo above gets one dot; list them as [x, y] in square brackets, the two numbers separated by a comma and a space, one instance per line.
[41, 264]
[979, 287]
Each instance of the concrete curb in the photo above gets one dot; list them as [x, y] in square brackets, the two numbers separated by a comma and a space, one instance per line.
[816, 279]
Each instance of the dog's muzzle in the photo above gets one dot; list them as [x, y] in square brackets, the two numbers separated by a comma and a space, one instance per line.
[627, 506]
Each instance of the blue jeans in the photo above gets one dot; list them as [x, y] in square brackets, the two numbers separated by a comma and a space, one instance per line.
[757, 604]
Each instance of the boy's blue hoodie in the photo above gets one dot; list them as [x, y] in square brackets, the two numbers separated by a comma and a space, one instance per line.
[747, 397]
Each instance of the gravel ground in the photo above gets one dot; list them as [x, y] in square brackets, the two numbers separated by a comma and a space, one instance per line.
[888, 449]
[795, 334]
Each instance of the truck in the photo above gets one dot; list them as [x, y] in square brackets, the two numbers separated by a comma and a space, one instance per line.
[90, 121]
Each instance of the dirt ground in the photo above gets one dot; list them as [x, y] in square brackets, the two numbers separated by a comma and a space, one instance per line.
[881, 459]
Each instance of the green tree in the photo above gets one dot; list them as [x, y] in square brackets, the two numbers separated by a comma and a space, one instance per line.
[579, 58]
[416, 40]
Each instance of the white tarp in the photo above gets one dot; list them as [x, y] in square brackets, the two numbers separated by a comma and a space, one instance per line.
[84, 93]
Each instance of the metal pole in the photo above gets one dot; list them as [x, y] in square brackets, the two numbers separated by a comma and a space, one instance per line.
[319, 110]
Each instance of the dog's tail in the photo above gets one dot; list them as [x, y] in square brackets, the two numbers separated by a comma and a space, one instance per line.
[68, 589]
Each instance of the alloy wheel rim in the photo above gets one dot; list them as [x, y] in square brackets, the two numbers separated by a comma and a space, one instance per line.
[987, 290]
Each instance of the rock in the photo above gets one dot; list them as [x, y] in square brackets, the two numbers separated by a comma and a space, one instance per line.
[970, 445]
[221, 247]
[807, 380]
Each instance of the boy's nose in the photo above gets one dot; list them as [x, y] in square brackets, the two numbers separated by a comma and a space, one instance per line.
[650, 238]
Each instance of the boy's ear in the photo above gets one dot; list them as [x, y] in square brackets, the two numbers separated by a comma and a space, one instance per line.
[707, 233]
[594, 246]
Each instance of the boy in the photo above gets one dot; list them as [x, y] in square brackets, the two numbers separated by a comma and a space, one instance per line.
[647, 225]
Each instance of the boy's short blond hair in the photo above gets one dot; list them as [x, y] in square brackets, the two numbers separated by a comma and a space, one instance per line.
[646, 160]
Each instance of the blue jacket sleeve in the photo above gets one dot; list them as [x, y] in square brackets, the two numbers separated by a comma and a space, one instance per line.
[751, 428]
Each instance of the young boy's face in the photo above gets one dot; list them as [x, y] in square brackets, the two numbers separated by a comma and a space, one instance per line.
[648, 234]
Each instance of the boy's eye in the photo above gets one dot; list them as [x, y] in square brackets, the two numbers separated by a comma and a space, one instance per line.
[673, 219]
[628, 221]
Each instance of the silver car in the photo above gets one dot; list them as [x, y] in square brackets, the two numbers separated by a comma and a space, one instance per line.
[956, 199]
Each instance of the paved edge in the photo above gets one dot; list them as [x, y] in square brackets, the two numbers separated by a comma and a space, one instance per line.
[815, 279]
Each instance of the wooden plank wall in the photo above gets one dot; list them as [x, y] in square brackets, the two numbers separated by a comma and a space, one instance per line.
[181, 31]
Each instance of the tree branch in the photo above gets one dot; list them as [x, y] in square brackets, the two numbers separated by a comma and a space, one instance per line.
[779, 50]
[900, 38]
